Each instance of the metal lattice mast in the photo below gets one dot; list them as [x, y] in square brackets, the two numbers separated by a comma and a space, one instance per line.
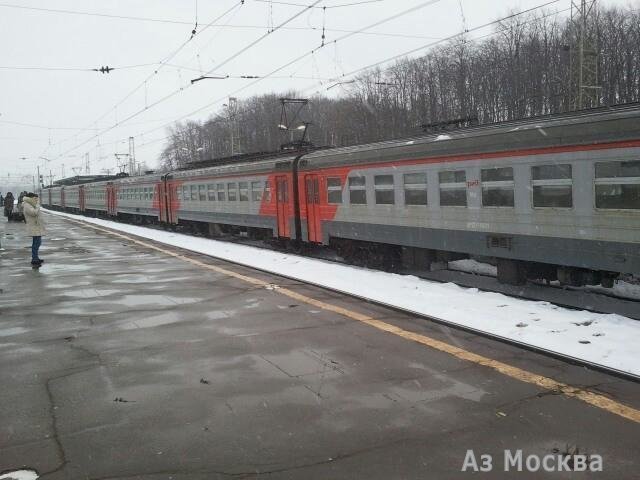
[584, 55]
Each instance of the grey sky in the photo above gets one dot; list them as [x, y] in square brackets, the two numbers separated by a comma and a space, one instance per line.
[63, 102]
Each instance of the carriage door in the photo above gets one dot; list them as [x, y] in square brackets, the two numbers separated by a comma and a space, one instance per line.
[312, 187]
[81, 200]
[172, 201]
[111, 200]
[50, 200]
[62, 197]
[163, 212]
[282, 199]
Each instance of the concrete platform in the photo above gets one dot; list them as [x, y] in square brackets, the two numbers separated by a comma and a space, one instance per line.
[120, 362]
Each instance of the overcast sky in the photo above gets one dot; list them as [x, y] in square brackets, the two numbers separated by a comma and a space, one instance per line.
[68, 113]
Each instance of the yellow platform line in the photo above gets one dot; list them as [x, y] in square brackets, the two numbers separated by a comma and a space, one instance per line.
[546, 383]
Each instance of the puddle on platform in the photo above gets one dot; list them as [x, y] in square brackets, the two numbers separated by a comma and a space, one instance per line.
[90, 293]
[155, 321]
[7, 332]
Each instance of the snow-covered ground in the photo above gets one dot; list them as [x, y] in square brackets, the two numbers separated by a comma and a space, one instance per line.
[608, 340]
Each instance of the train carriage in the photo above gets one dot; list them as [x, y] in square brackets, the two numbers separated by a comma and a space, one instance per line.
[95, 197]
[238, 195]
[563, 192]
[134, 197]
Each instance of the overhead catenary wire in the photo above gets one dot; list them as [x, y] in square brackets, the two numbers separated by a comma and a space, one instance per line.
[292, 4]
[452, 37]
[389, 59]
[311, 52]
[188, 23]
[180, 89]
[72, 69]
[292, 62]
[160, 65]
[147, 132]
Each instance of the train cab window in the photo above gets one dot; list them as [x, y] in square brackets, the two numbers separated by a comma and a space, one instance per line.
[222, 193]
[357, 190]
[552, 186]
[618, 185]
[497, 187]
[243, 189]
[384, 189]
[232, 192]
[334, 190]
[453, 188]
[211, 192]
[202, 193]
[256, 191]
[415, 188]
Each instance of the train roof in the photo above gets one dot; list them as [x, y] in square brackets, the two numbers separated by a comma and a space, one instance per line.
[607, 124]
[82, 179]
[260, 164]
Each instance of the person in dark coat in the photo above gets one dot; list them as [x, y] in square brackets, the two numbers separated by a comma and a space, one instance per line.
[8, 205]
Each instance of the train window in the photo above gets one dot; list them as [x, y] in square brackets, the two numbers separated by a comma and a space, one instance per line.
[415, 188]
[243, 189]
[211, 192]
[194, 193]
[256, 191]
[384, 189]
[232, 192]
[334, 190]
[497, 187]
[453, 188]
[267, 192]
[618, 185]
[357, 190]
[222, 193]
[552, 186]
[202, 193]
[185, 193]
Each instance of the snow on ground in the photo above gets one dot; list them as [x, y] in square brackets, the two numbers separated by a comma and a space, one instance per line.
[473, 266]
[20, 475]
[608, 340]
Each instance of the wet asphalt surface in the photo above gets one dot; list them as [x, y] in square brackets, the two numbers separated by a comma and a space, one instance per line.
[119, 362]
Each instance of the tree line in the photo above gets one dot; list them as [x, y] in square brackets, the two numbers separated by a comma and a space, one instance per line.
[523, 69]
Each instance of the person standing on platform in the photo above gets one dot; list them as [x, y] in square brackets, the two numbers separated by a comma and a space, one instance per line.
[35, 225]
[8, 205]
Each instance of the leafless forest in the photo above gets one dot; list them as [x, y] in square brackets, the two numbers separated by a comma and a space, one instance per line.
[521, 70]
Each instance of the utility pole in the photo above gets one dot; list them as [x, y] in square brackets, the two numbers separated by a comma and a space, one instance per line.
[232, 107]
[86, 164]
[132, 156]
[584, 55]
